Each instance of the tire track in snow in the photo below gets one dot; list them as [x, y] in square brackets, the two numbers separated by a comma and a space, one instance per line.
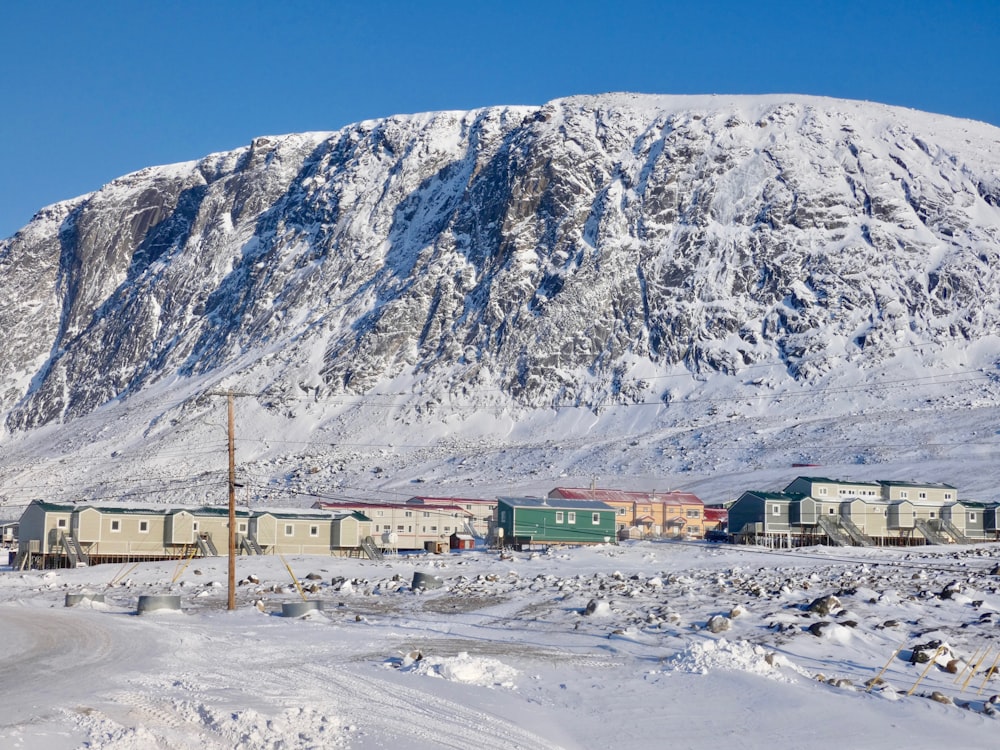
[411, 717]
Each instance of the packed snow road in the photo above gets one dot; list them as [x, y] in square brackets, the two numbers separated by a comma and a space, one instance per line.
[108, 679]
[55, 661]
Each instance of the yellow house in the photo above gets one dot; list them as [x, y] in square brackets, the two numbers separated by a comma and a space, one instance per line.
[669, 514]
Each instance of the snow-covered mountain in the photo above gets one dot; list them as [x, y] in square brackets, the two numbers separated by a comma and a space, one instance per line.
[622, 286]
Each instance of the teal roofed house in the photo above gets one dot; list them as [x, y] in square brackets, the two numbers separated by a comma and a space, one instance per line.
[532, 520]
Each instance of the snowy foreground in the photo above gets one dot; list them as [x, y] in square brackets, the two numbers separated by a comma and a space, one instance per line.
[571, 648]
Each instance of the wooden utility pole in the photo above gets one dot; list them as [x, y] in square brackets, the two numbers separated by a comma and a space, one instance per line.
[232, 505]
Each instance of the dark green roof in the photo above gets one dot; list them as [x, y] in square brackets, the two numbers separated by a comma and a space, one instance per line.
[554, 503]
[776, 496]
[826, 480]
[215, 510]
[918, 485]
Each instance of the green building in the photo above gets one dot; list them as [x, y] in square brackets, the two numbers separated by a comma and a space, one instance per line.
[534, 520]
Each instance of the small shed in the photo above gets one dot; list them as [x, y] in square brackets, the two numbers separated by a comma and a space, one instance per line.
[462, 541]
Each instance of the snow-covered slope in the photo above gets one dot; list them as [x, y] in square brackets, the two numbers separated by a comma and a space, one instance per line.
[632, 287]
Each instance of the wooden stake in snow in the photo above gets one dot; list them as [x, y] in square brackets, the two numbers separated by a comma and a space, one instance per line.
[968, 664]
[975, 669]
[989, 673]
[179, 570]
[872, 682]
[294, 579]
[927, 669]
[120, 576]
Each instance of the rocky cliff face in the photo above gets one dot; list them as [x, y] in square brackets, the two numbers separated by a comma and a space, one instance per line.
[571, 254]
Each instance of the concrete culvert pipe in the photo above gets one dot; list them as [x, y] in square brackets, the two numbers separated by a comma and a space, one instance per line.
[157, 602]
[298, 609]
[425, 581]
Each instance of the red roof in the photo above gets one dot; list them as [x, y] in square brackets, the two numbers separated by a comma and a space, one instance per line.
[626, 496]
[420, 500]
[716, 514]
[345, 504]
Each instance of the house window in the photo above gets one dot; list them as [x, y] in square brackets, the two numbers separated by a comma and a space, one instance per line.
[378, 513]
[922, 495]
[904, 494]
[692, 513]
[830, 511]
[596, 519]
[775, 510]
[571, 517]
[972, 516]
[933, 514]
[400, 527]
[116, 525]
[194, 525]
[503, 516]
[434, 528]
[822, 491]
[143, 527]
[242, 527]
[426, 514]
[947, 496]
[314, 531]
[559, 516]
[61, 523]
[621, 511]
[289, 529]
[408, 513]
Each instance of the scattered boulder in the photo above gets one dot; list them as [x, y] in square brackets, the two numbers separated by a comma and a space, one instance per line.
[824, 605]
[718, 624]
[596, 607]
[924, 652]
[817, 628]
[950, 590]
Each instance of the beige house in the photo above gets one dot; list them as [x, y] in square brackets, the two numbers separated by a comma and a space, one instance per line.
[824, 489]
[407, 525]
[840, 512]
[56, 535]
[43, 529]
[314, 533]
[930, 494]
[869, 515]
[483, 512]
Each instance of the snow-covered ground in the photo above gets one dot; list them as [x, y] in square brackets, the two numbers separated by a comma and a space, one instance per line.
[608, 646]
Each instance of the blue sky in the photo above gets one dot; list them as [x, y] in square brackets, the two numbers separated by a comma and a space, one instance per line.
[93, 90]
